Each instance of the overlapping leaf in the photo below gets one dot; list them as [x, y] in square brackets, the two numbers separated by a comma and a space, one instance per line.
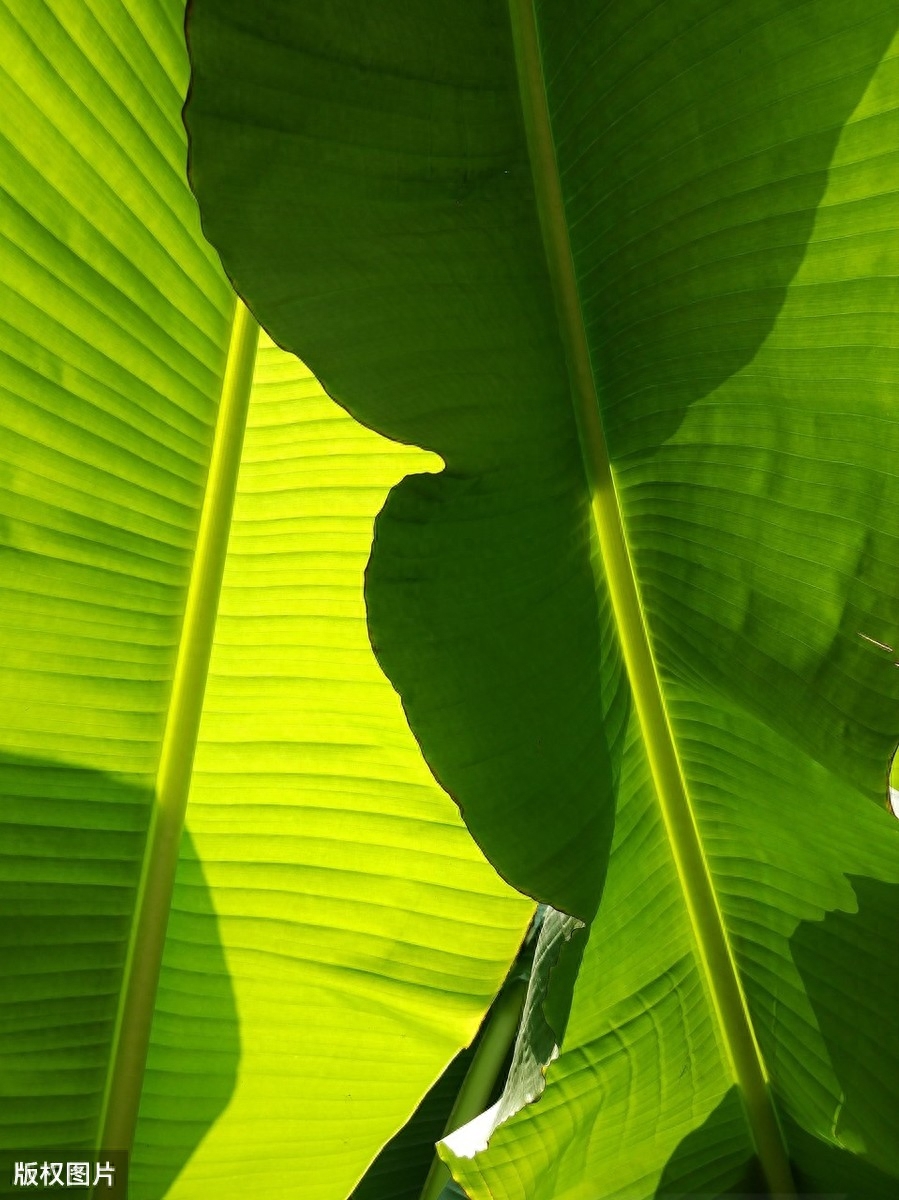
[729, 178]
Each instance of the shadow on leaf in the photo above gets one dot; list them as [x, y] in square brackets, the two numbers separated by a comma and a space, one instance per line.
[70, 859]
[860, 1029]
[713, 1159]
[697, 216]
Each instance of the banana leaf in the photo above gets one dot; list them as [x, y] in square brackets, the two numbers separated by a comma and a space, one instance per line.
[184, 526]
[630, 271]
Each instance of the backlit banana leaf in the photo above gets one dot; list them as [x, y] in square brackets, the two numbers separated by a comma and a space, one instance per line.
[335, 935]
[631, 270]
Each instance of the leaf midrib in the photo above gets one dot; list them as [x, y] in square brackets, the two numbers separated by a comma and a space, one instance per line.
[137, 996]
[668, 778]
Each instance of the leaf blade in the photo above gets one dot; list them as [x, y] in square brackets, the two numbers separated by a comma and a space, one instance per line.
[110, 355]
[363, 933]
[702, 344]
[472, 203]
[114, 335]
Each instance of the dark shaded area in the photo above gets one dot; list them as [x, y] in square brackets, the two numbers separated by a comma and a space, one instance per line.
[71, 842]
[499, 671]
[193, 1063]
[849, 963]
[690, 216]
[714, 1159]
[452, 1191]
[364, 176]
[827, 1172]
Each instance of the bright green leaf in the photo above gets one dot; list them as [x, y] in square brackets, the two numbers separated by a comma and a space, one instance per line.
[335, 937]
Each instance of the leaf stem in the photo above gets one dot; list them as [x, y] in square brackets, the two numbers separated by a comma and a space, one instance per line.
[131, 1038]
[683, 834]
[477, 1086]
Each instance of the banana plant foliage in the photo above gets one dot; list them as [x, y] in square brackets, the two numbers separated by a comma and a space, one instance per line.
[630, 269]
[335, 936]
[618, 282]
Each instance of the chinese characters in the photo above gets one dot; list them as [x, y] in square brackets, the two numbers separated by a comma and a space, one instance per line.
[63, 1174]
